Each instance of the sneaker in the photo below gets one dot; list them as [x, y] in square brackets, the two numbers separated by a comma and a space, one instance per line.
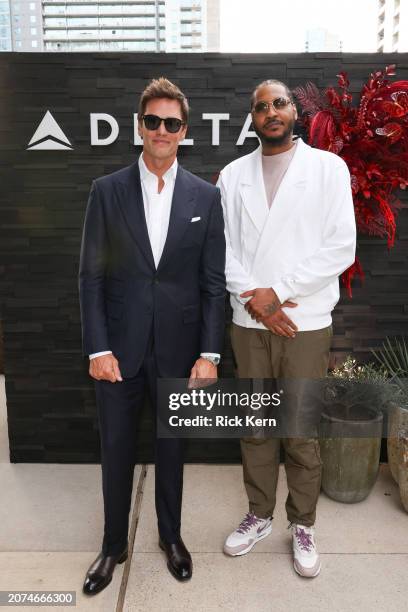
[250, 531]
[306, 559]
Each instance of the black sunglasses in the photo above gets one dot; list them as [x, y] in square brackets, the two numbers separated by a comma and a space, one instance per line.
[172, 124]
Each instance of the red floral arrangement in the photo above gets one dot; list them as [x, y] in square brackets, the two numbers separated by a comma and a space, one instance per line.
[372, 138]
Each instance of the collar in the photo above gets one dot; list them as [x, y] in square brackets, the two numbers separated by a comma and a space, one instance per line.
[147, 176]
[251, 171]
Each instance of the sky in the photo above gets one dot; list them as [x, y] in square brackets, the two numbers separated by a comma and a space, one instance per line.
[279, 26]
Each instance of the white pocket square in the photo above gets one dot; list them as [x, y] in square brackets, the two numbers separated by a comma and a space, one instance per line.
[194, 219]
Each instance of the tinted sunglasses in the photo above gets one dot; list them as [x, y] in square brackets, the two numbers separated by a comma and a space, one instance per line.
[172, 124]
[278, 104]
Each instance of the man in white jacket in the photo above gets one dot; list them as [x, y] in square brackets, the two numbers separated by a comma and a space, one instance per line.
[290, 232]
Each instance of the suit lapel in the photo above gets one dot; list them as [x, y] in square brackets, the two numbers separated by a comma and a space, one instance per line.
[286, 204]
[252, 191]
[182, 208]
[132, 207]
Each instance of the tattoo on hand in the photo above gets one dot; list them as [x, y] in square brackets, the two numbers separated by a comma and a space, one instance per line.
[270, 309]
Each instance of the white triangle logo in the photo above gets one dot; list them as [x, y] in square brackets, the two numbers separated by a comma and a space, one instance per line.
[49, 136]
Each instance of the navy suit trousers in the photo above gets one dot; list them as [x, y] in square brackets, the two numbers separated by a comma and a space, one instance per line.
[119, 405]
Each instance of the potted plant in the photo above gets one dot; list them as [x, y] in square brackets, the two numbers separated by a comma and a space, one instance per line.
[393, 358]
[351, 430]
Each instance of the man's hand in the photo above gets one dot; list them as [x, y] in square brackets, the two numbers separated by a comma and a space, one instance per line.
[203, 374]
[265, 307]
[105, 367]
[263, 303]
[279, 323]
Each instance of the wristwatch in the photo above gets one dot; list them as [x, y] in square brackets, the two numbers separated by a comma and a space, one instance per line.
[213, 359]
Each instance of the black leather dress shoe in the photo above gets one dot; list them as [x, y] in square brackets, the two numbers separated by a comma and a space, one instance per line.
[100, 573]
[178, 559]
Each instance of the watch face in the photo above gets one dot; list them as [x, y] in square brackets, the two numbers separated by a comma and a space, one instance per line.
[214, 360]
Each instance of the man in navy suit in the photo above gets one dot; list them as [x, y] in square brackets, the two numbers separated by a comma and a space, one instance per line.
[152, 294]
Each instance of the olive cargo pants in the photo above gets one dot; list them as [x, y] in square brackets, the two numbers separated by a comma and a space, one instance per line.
[261, 354]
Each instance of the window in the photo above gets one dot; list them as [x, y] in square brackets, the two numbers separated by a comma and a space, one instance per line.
[83, 21]
[33, 31]
[84, 9]
[32, 6]
[33, 19]
[18, 43]
[17, 31]
[54, 10]
[109, 21]
[54, 21]
[34, 43]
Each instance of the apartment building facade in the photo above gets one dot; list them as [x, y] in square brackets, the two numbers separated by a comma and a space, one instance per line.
[392, 30]
[110, 25]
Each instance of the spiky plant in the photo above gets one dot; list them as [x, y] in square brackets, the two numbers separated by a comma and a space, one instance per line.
[393, 358]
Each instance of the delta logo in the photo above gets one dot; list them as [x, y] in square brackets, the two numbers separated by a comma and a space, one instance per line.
[49, 136]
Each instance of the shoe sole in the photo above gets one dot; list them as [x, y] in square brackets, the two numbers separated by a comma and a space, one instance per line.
[267, 532]
[171, 570]
[317, 572]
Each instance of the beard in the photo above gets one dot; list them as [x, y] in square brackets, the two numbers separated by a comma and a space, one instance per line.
[275, 140]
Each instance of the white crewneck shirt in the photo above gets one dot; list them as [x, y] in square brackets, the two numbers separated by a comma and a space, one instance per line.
[274, 168]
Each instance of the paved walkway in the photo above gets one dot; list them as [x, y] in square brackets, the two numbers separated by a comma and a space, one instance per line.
[51, 524]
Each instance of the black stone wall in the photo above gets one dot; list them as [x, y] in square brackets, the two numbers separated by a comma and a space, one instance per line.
[51, 408]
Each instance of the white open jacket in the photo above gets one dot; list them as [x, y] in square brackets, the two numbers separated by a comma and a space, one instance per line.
[299, 246]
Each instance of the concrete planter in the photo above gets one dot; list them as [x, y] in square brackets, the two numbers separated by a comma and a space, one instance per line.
[350, 442]
[1, 351]
[397, 422]
[403, 466]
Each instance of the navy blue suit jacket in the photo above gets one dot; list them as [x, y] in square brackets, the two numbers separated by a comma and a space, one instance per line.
[124, 299]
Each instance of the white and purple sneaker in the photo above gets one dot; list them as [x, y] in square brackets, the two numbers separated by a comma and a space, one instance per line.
[250, 531]
[306, 560]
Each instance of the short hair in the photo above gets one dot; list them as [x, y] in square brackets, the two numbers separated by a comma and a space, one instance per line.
[270, 82]
[163, 88]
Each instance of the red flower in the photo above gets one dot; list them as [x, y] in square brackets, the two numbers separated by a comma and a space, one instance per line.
[372, 138]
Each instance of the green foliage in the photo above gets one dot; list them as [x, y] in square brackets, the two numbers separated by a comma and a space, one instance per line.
[369, 372]
[393, 357]
[351, 385]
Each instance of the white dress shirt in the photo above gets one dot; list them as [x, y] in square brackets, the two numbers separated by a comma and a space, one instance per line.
[157, 207]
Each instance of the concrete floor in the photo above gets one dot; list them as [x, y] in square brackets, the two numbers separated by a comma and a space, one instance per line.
[51, 525]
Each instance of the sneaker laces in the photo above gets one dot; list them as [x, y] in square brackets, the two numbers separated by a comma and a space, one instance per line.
[249, 521]
[304, 539]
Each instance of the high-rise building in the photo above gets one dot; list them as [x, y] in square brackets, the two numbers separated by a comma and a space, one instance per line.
[5, 26]
[392, 31]
[24, 21]
[110, 25]
[320, 39]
